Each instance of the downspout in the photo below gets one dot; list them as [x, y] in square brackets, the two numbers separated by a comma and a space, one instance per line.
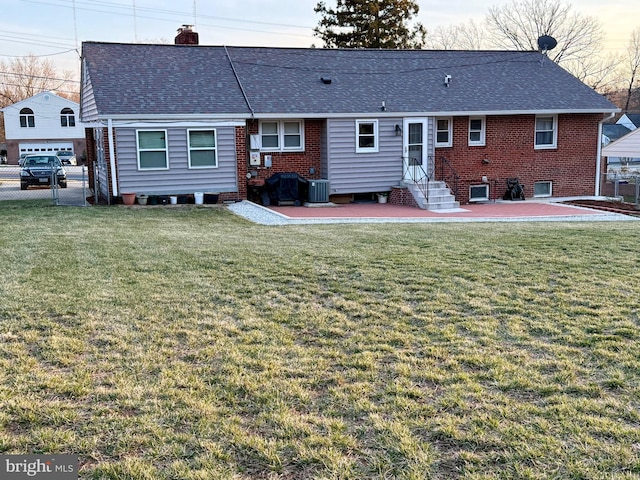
[599, 154]
[112, 158]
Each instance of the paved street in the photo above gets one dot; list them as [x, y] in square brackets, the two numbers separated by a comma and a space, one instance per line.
[74, 194]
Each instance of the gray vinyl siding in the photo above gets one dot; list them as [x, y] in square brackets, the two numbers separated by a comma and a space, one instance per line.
[88, 109]
[179, 178]
[351, 172]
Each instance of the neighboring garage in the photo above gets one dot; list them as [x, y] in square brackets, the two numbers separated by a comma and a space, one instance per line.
[48, 147]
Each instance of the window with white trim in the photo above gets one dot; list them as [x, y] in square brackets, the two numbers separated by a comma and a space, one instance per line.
[282, 135]
[152, 150]
[443, 132]
[542, 189]
[366, 136]
[476, 131]
[203, 152]
[27, 118]
[478, 193]
[546, 131]
[67, 118]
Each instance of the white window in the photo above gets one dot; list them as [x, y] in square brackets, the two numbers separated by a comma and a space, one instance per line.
[476, 131]
[67, 118]
[283, 135]
[366, 136]
[443, 132]
[203, 152]
[27, 118]
[292, 135]
[542, 189]
[478, 193]
[152, 150]
[546, 131]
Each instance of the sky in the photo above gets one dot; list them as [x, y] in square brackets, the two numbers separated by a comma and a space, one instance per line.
[55, 29]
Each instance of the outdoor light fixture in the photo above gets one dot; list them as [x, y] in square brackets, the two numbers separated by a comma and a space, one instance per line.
[398, 130]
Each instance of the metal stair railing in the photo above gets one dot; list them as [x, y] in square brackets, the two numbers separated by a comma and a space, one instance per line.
[416, 174]
[448, 175]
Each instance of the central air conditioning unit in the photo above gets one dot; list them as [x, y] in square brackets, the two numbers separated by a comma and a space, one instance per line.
[318, 191]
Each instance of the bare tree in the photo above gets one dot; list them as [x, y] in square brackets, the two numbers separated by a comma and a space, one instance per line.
[465, 36]
[631, 69]
[25, 77]
[580, 38]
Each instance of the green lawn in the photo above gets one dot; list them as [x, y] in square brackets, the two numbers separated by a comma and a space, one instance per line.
[186, 343]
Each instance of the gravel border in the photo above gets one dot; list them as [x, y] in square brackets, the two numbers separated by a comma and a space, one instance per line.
[263, 216]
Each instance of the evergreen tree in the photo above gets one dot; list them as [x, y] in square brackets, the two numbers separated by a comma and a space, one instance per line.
[370, 24]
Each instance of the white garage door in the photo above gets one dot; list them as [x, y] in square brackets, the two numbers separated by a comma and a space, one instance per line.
[45, 147]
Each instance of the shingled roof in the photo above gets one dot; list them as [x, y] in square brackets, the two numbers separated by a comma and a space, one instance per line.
[168, 80]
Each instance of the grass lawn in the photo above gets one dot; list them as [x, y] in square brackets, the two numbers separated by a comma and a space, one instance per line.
[187, 343]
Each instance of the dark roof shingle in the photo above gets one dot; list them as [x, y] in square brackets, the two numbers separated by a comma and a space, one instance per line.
[174, 79]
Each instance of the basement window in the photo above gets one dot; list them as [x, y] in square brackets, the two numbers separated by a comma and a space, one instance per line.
[542, 189]
[478, 193]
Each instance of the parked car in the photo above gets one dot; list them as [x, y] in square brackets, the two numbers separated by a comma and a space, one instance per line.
[21, 159]
[39, 170]
[67, 157]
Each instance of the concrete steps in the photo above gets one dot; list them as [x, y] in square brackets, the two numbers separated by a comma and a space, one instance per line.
[440, 197]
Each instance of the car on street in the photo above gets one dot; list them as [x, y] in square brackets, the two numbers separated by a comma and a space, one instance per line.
[66, 157]
[40, 169]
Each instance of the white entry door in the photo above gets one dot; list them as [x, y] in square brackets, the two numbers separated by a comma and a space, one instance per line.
[415, 156]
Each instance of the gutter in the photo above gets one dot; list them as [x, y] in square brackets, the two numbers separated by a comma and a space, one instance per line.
[599, 153]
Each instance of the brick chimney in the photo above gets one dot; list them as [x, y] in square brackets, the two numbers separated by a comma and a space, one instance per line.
[186, 36]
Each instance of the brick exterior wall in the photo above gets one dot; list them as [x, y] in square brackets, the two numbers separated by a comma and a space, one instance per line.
[509, 150]
[242, 164]
[402, 196]
[298, 162]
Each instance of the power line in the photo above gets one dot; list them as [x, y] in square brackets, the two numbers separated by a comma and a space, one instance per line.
[5, 84]
[174, 13]
[39, 77]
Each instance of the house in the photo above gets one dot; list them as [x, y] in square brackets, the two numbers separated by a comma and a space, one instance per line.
[629, 120]
[45, 122]
[175, 119]
[623, 155]
[612, 132]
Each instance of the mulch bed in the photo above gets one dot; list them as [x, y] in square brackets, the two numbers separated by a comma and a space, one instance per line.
[608, 206]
